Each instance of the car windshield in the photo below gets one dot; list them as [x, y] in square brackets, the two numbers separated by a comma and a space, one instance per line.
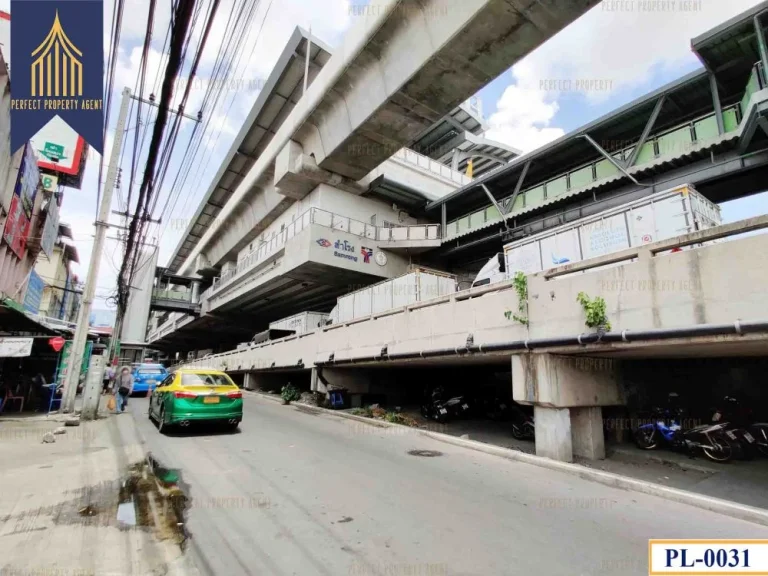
[146, 371]
[205, 380]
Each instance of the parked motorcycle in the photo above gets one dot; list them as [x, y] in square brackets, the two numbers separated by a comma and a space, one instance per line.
[487, 405]
[436, 407]
[752, 436]
[665, 428]
[523, 425]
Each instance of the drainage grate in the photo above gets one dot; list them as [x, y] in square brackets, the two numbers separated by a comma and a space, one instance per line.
[425, 453]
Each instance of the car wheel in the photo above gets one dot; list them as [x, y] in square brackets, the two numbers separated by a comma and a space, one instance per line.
[162, 426]
[149, 411]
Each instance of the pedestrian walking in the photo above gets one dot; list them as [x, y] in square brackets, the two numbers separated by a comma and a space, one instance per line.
[124, 388]
[109, 376]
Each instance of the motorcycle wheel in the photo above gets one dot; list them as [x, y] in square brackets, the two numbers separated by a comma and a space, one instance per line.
[760, 432]
[646, 439]
[517, 432]
[721, 450]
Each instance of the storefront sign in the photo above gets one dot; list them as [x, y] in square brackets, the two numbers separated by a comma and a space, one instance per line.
[51, 226]
[34, 293]
[15, 347]
[20, 214]
[50, 182]
[57, 343]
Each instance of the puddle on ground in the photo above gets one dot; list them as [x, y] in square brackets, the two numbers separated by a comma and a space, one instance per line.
[149, 497]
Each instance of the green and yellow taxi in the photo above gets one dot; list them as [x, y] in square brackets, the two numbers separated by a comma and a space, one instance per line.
[189, 395]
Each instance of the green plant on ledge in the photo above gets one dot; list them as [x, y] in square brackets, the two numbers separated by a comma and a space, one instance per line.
[520, 282]
[595, 312]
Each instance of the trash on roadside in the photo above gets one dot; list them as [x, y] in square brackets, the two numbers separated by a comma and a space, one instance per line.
[60, 430]
[72, 422]
[49, 438]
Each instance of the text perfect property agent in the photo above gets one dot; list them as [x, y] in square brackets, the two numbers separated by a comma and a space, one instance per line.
[55, 104]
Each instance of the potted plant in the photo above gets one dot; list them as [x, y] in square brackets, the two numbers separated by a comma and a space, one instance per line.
[289, 393]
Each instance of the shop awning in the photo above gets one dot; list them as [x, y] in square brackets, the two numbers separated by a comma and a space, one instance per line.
[13, 319]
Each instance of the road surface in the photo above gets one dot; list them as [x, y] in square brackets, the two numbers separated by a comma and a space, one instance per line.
[296, 492]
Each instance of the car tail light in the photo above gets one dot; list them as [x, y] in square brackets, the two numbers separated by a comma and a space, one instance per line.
[185, 395]
[237, 394]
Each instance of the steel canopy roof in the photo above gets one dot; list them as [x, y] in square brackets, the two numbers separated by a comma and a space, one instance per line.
[688, 98]
[730, 49]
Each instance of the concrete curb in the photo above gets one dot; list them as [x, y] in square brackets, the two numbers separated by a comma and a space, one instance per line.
[661, 460]
[732, 509]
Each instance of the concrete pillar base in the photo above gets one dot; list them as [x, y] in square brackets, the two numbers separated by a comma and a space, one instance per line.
[587, 433]
[553, 433]
[249, 381]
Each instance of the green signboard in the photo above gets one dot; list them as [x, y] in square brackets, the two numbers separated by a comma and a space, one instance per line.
[53, 152]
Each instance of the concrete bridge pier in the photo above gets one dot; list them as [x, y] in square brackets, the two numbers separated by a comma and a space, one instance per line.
[355, 381]
[567, 393]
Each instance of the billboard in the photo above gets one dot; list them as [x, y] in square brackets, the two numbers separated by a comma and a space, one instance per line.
[5, 39]
[51, 226]
[17, 224]
[61, 151]
[34, 294]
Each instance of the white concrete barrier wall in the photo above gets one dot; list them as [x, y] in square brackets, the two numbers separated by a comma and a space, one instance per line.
[716, 284]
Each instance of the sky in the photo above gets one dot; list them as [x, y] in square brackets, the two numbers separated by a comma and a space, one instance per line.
[619, 51]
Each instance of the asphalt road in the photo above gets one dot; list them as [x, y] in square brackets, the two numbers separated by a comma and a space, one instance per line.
[308, 494]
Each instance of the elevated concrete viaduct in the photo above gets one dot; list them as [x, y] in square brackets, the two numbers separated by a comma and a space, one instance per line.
[400, 69]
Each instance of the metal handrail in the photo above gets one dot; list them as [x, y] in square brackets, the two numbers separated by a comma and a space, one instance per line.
[319, 217]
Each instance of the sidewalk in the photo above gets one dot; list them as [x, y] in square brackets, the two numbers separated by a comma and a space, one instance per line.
[59, 502]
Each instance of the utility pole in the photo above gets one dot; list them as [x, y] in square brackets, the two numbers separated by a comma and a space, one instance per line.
[91, 396]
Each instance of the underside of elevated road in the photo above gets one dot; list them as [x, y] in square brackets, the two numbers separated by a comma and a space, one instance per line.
[369, 100]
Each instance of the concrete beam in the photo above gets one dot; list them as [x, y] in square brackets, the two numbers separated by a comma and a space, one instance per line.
[453, 49]
[565, 381]
[397, 72]
[297, 174]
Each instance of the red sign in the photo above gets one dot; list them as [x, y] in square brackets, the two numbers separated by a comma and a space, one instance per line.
[17, 227]
[57, 343]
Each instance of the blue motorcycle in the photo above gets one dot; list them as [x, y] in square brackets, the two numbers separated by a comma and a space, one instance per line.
[664, 428]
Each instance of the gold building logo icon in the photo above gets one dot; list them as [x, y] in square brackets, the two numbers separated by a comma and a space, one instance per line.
[56, 68]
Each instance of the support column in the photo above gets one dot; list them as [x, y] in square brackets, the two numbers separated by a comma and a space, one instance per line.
[444, 221]
[195, 292]
[313, 380]
[567, 393]
[249, 381]
[716, 103]
[587, 433]
[761, 45]
[553, 433]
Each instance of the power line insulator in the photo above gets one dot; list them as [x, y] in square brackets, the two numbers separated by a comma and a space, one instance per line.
[151, 97]
[199, 115]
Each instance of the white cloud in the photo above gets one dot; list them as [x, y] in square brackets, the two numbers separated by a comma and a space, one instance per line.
[614, 48]
[523, 116]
